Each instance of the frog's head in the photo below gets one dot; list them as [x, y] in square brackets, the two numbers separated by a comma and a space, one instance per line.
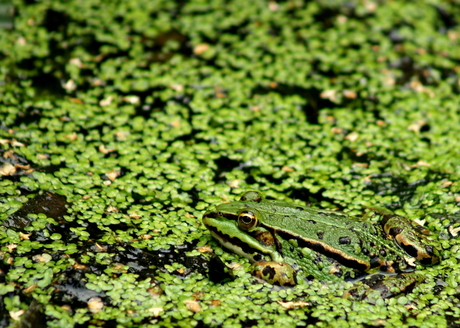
[237, 227]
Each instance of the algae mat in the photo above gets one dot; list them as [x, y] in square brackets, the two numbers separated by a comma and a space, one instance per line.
[121, 122]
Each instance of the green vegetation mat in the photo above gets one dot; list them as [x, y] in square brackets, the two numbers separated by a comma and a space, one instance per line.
[121, 122]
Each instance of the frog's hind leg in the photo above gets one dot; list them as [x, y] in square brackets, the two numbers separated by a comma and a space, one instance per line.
[380, 286]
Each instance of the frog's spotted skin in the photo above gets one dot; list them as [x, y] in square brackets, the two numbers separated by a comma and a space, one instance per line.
[285, 241]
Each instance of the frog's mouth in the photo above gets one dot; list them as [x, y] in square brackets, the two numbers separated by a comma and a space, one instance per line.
[239, 248]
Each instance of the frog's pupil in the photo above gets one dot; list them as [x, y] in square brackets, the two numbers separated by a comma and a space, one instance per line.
[246, 217]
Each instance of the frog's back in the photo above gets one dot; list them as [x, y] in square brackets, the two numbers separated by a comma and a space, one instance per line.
[354, 243]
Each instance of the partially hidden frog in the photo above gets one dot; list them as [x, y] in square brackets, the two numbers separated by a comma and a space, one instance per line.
[286, 242]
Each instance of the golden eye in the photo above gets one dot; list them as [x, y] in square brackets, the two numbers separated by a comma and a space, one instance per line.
[247, 220]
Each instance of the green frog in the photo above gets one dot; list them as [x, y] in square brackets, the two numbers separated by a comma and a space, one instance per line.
[286, 242]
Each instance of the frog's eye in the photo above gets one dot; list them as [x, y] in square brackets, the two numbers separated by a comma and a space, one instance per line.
[247, 220]
[251, 196]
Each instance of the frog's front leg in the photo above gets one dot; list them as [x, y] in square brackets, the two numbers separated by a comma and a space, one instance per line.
[380, 286]
[275, 273]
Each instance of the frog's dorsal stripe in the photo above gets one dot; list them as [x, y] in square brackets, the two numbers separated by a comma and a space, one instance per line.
[325, 249]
